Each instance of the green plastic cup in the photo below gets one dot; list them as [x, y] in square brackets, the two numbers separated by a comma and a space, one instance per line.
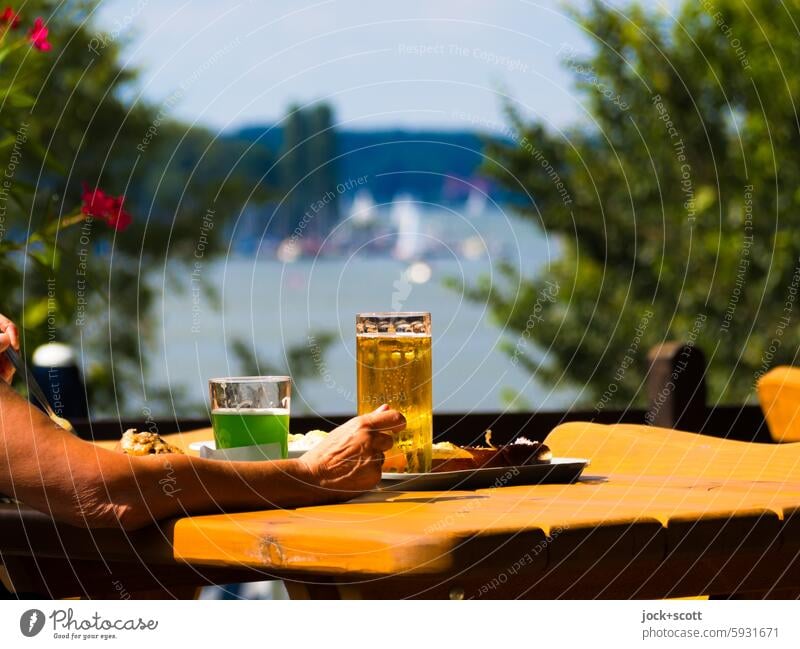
[251, 412]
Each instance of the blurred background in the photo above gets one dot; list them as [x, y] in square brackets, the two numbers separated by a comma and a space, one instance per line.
[561, 185]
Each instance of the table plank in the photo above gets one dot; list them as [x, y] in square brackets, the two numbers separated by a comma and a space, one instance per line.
[650, 451]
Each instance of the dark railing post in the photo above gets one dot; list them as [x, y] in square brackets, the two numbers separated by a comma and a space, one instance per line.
[676, 387]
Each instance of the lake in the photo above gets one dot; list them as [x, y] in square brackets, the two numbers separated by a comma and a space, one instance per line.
[271, 306]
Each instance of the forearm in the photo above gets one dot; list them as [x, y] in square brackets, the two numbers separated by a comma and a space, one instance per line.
[169, 485]
[77, 482]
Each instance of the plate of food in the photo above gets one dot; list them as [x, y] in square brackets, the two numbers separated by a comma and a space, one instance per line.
[298, 444]
[477, 467]
[463, 467]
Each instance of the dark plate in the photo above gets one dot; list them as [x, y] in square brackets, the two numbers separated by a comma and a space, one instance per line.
[558, 470]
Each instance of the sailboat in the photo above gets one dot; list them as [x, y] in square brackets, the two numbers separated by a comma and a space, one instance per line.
[406, 216]
[475, 204]
[362, 210]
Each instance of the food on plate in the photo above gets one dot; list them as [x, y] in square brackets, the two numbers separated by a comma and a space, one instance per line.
[528, 451]
[447, 456]
[515, 454]
[522, 451]
[134, 442]
[305, 442]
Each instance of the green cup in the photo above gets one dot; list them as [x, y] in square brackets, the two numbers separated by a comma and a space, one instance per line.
[250, 416]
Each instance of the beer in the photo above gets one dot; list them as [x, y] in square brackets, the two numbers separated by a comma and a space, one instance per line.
[394, 367]
[251, 427]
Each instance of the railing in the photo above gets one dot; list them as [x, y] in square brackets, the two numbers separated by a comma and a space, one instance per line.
[675, 388]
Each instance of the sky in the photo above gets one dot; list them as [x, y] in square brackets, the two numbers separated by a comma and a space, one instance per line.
[404, 63]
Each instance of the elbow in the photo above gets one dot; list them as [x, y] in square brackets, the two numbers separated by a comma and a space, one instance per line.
[124, 496]
[133, 517]
[93, 508]
[108, 505]
[103, 513]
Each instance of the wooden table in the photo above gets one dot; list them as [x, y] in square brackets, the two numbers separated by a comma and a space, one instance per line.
[659, 513]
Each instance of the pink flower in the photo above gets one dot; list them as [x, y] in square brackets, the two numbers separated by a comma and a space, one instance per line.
[10, 17]
[107, 208]
[38, 36]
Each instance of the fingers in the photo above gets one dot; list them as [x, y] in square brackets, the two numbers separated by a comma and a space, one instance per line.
[8, 338]
[372, 475]
[8, 333]
[381, 441]
[6, 370]
[381, 424]
[385, 421]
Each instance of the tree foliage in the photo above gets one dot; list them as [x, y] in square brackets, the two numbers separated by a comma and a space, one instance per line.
[85, 123]
[674, 206]
[308, 171]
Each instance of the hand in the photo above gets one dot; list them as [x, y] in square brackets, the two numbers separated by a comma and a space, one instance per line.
[348, 462]
[9, 337]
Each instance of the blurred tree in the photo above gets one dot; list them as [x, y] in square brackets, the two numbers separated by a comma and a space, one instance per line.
[308, 171]
[323, 167]
[301, 361]
[84, 124]
[675, 211]
[293, 169]
[426, 163]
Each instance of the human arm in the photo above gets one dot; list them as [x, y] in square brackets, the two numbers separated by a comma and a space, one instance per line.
[9, 337]
[80, 483]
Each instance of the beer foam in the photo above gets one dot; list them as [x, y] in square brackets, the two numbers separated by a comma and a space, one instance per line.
[250, 411]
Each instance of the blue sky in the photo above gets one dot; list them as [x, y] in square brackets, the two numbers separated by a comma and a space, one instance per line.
[408, 63]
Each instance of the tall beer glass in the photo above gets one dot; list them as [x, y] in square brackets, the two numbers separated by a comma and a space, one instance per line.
[393, 358]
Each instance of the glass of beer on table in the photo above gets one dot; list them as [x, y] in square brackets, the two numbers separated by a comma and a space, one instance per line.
[393, 359]
[251, 413]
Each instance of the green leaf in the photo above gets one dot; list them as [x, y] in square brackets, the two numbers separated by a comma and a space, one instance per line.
[20, 100]
[36, 312]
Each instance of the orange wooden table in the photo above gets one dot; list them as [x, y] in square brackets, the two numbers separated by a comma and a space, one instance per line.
[658, 513]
